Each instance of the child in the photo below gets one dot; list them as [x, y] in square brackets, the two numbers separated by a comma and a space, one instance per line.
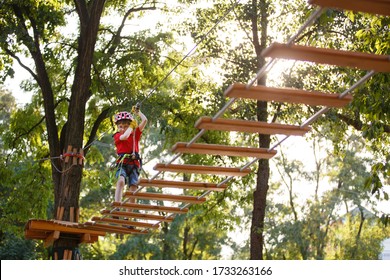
[127, 147]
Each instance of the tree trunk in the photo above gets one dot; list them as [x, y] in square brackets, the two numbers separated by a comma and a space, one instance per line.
[260, 194]
[186, 242]
[67, 192]
[166, 249]
[358, 235]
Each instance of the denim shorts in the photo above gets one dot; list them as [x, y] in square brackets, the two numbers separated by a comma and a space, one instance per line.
[129, 172]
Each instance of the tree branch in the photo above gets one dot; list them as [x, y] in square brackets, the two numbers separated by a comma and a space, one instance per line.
[36, 125]
[358, 124]
[116, 38]
[28, 69]
[82, 10]
[41, 76]
[103, 115]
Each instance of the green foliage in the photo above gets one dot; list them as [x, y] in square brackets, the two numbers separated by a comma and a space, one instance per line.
[14, 247]
[348, 245]
[25, 188]
[315, 233]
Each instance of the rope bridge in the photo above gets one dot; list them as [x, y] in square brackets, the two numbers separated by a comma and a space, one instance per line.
[141, 218]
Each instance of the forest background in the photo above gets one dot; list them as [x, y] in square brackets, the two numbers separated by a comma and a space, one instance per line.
[325, 198]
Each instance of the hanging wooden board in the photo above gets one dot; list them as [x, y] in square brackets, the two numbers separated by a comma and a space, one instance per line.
[123, 222]
[134, 215]
[114, 229]
[148, 207]
[213, 149]
[208, 123]
[365, 61]
[202, 169]
[182, 185]
[288, 95]
[166, 197]
[381, 7]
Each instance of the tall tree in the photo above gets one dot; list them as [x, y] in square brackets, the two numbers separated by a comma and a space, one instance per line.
[36, 30]
[240, 58]
[252, 23]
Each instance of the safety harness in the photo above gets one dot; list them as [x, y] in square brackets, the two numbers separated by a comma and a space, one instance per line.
[129, 159]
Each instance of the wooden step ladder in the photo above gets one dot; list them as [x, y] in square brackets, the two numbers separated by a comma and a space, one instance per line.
[140, 216]
[214, 149]
[364, 61]
[200, 169]
[182, 185]
[165, 197]
[287, 95]
[150, 207]
[250, 126]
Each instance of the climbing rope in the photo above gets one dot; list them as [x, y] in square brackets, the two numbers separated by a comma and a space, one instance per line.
[202, 38]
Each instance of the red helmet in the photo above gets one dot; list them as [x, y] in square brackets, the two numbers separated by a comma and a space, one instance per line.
[123, 116]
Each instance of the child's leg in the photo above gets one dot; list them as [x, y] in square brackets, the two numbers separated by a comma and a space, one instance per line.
[120, 184]
[119, 189]
[133, 181]
[132, 188]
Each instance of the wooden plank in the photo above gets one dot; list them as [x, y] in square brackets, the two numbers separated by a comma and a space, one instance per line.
[137, 215]
[166, 197]
[44, 231]
[208, 123]
[68, 151]
[158, 208]
[50, 226]
[123, 222]
[65, 255]
[81, 158]
[201, 169]
[51, 238]
[74, 158]
[34, 234]
[69, 255]
[65, 223]
[86, 238]
[60, 212]
[381, 7]
[71, 214]
[365, 61]
[182, 185]
[288, 95]
[114, 229]
[213, 149]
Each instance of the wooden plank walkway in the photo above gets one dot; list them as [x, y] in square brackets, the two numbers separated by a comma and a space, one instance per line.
[165, 197]
[208, 123]
[140, 216]
[149, 207]
[201, 169]
[214, 149]
[287, 95]
[182, 185]
[364, 61]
